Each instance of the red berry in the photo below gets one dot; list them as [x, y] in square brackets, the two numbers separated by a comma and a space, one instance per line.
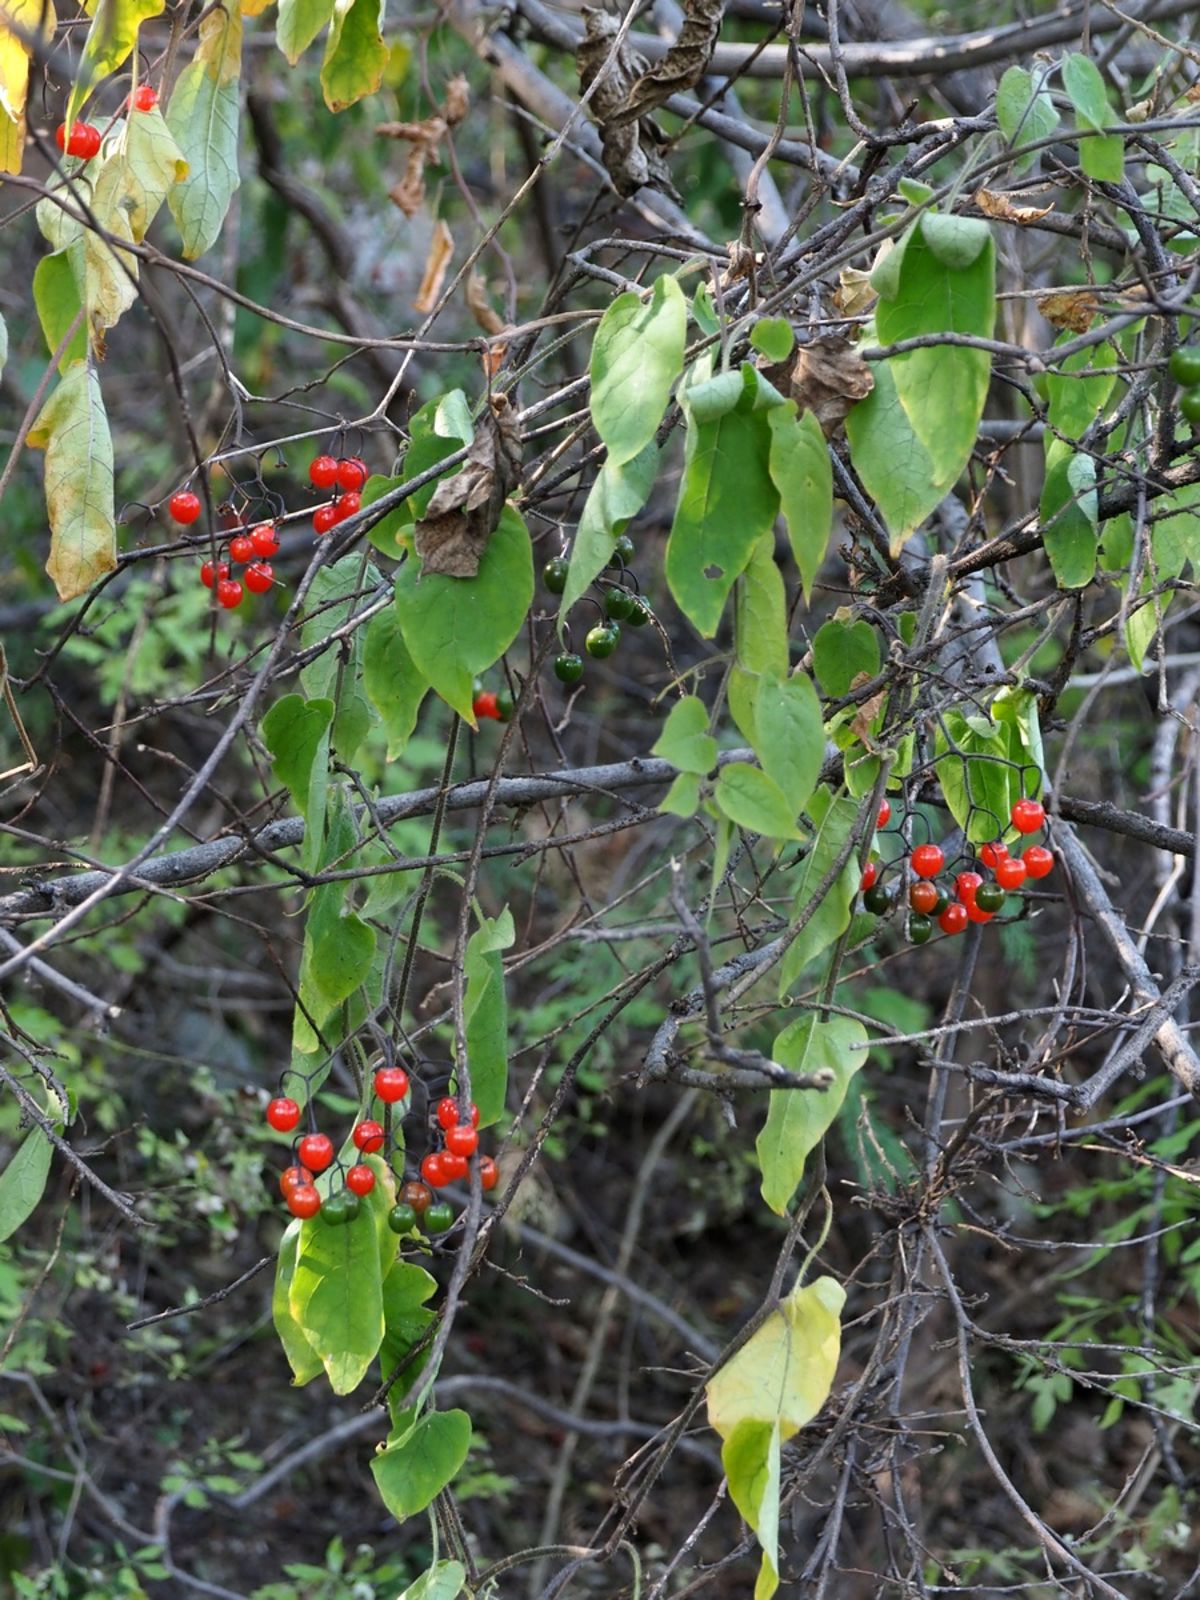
[993, 854]
[433, 1171]
[454, 1167]
[346, 505]
[91, 138]
[1038, 861]
[927, 860]
[885, 814]
[283, 1114]
[391, 1084]
[461, 1141]
[229, 593]
[264, 540]
[954, 918]
[210, 574]
[351, 472]
[84, 142]
[447, 1112]
[869, 875]
[304, 1201]
[360, 1180]
[1012, 871]
[291, 1178]
[368, 1136]
[489, 1172]
[416, 1195]
[324, 518]
[316, 1151]
[145, 98]
[259, 575]
[965, 886]
[1028, 816]
[485, 705]
[323, 472]
[184, 506]
[923, 897]
[240, 549]
[977, 913]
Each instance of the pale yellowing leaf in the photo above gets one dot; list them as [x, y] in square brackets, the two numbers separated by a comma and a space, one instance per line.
[785, 1371]
[441, 249]
[73, 431]
[27, 17]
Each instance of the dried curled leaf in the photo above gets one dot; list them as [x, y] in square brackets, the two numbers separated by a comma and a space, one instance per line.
[854, 295]
[1072, 309]
[489, 320]
[628, 150]
[464, 511]
[828, 377]
[1004, 209]
[441, 248]
[684, 64]
[425, 137]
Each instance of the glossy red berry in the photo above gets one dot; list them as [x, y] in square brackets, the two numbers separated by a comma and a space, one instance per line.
[240, 549]
[1039, 861]
[1012, 871]
[210, 574]
[927, 860]
[84, 142]
[433, 1170]
[323, 472]
[259, 576]
[391, 1084]
[316, 1151]
[885, 814]
[923, 897]
[347, 504]
[1028, 816]
[486, 705]
[954, 918]
[977, 913]
[283, 1114]
[304, 1201]
[489, 1172]
[360, 1180]
[184, 506]
[351, 472]
[870, 875]
[324, 518]
[368, 1136]
[144, 97]
[454, 1167]
[965, 885]
[229, 593]
[993, 854]
[264, 540]
[447, 1112]
[461, 1140]
[291, 1178]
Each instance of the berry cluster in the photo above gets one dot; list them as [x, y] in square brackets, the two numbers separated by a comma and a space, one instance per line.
[619, 603]
[84, 140]
[346, 473]
[496, 704]
[972, 897]
[416, 1206]
[1184, 367]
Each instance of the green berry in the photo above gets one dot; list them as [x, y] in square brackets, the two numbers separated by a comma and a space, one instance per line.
[554, 574]
[1189, 407]
[439, 1217]
[1184, 366]
[402, 1219]
[919, 929]
[568, 668]
[639, 613]
[622, 551]
[602, 640]
[877, 899]
[505, 705]
[619, 604]
[340, 1208]
[989, 897]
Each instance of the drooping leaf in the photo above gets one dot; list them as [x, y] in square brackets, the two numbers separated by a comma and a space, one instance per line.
[336, 1296]
[456, 628]
[110, 39]
[1070, 513]
[755, 801]
[28, 20]
[443, 1581]
[391, 680]
[486, 1014]
[685, 740]
[791, 736]
[203, 118]
[297, 24]
[751, 1458]
[23, 1181]
[797, 1119]
[406, 1317]
[842, 652]
[439, 429]
[615, 498]
[760, 639]
[773, 338]
[296, 733]
[342, 958]
[637, 354]
[1024, 109]
[801, 471]
[418, 1465]
[355, 54]
[975, 768]
[302, 1358]
[784, 1371]
[834, 819]
[1086, 91]
[682, 799]
[896, 468]
[56, 296]
[72, 429]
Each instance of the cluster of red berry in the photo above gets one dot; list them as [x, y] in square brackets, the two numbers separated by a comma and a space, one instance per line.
[85, 140]
[416, 1205]
[250, 548]
[347, 473]
[974, 898]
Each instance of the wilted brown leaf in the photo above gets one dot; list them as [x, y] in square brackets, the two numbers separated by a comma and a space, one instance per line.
[463, 513]
[1002, 207]
[441, 248]
[458, 100]
[425, 138]
[867, 712]
[481, 308]
[1072, 309]
[854, 295]
[684, 64]
[628, 150]
[827, 377]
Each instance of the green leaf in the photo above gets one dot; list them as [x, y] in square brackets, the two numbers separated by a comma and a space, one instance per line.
[416, 1467]
[23, 1181]
[797, 1119]
[974, 765]
[726, 501]
[203, 117]
[298, 23]
[834, 819]
[72, 428]
[760, 636]
[355, 54]
[842, 652]
[704, 313]
[296, 733]
[915, 192]
[302, 1358]
[755, 801]
[637, 355]
[336, 1296]
[455, 628]
[439, 429]
[685, 740]
[957, 242]
[385, 534]
[154, 165]
[1070, 513]
[1102, 157]
[391, 680]
[773, 338]
[406, 1318]
[1025, 110]
[110, 39]
[1175, 537]
[1075, 394]
[801, 471]
[751, 1458]
[1086, 91]
[341, 959]
[486, 1014]
[784, 1372]
[56, 296]
[682, 799]
[444, 1580]
[617, 495]
[791, 736]
[896, 468]
[943, 387]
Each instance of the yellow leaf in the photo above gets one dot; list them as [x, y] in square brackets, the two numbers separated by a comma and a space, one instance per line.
[72, 429]
[254, 8]
[110, 39]
[20, 22]
[786, 1370]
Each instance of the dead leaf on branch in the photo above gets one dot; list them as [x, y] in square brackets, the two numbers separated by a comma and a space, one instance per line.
[854, 295]
[490, 320]
[1069, 309]
[827, 377]
[1003, 208]
[866, 714]
[462, 515]
[425, 138]
[628, 151]
[441, 249]
[684, 64]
